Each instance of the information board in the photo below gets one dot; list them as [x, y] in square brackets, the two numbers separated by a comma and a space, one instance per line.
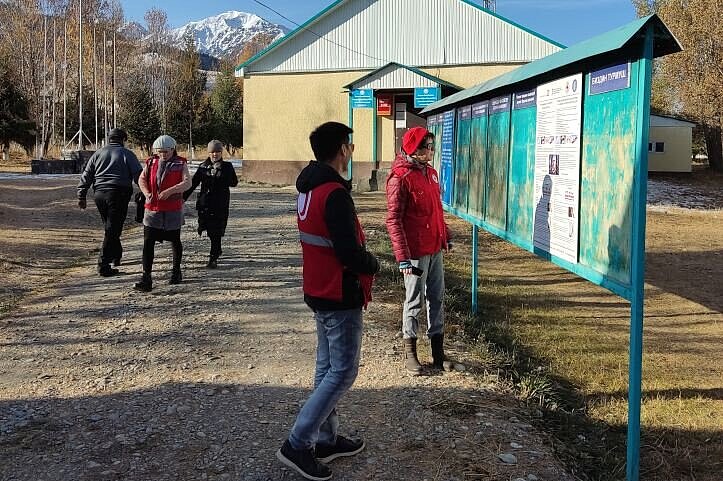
[557, 167]
[461, 168]
[446, 168]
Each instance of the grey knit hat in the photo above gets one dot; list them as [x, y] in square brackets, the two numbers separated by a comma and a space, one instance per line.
[215, 146]
[164, 142]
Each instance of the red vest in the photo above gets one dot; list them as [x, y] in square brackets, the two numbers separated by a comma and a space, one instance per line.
[173, 176]
[322, 271]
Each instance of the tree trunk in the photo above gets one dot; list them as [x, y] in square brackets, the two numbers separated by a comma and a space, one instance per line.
[714, 146]
[6, 152]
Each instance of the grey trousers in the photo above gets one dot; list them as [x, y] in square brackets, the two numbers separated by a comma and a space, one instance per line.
[425, 289]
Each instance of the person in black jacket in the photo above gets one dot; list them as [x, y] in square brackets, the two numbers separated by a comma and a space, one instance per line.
[111, 171]
[212, 204]
[337, 279]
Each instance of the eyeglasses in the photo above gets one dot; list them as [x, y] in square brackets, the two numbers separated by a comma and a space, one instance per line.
[163, 151]
[429, 146]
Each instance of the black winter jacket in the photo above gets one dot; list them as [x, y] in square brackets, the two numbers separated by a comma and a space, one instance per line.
[213, 200]
[340, 215]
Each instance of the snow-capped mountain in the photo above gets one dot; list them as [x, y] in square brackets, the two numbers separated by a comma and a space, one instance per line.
[133, 30]
[224, 35]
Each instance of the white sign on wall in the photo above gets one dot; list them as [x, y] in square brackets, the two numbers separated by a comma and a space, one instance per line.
[557, 167]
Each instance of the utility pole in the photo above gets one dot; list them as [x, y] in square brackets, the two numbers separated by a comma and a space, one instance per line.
[80, 74]
[65, 83]
[95, 89]
[105, 91]
[115, 107]
[44, 88]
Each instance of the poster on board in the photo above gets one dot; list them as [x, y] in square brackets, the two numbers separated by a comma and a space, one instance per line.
[446, 170]
[557, 167]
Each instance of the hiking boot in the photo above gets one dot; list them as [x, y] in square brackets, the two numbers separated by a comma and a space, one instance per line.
[344, 447]
[107, 271]
[176, 277]
[303, 462]
[439, 360]
[212, 264]
[145, 284]
[116, 262]
[411, 363]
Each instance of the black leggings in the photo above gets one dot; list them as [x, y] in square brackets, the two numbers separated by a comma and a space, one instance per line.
[215, 245]
[151, 236]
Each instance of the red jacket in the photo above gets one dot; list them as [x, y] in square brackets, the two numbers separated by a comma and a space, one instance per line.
[415, 219]
[322, 271]
[172, 176]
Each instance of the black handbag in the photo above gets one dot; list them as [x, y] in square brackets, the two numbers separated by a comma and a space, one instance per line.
[140, 200]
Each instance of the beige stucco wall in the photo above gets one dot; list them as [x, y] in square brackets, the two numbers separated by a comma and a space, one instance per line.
[678, 149]
[470, 75]
[281, 110]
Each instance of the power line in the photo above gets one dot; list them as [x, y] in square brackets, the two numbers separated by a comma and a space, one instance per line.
[320, 36]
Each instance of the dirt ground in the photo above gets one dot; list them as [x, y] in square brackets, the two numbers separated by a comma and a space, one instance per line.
[203, 380]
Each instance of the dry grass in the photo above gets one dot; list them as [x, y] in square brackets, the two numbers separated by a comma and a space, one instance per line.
[562, 343]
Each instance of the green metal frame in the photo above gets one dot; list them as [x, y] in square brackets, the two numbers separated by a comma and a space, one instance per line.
[610, 206]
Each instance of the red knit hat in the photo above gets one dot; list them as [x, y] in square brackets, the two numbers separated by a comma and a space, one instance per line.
[413, 138]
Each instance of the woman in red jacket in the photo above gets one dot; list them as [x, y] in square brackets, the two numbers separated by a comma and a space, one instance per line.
[415, 221]
[163, 181]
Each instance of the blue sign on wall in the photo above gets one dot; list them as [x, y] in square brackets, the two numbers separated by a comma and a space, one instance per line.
[362, 99]
[446, 172]
[610, 79]
[424, 96]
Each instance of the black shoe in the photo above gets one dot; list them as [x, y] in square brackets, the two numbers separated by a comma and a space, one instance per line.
[176, 277]
[116, 262]
[344, 447]
[212, 264]
[107, 271]
[303, 462]
[144, 285]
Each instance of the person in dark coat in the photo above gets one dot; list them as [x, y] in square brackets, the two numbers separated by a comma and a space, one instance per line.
[111, 171]
[215, 177]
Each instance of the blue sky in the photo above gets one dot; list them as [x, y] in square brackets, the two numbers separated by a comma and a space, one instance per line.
[566, 21]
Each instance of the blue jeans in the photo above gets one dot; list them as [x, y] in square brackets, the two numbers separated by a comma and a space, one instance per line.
[338, 350]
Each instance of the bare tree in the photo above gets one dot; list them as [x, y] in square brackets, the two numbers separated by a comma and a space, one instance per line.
[691, 82]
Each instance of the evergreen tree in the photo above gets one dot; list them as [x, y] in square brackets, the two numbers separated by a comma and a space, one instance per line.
[227, 109]
[138, 116]
[186, 93]
[15, 123]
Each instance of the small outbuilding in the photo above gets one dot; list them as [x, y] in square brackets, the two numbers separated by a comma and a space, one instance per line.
[670, 144]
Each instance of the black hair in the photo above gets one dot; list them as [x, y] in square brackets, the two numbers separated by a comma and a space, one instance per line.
[327, 139]
[117, 135]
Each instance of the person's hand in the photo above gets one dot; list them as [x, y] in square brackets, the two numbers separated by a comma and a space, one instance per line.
[82, 204]
[405, 267]
[164, 195]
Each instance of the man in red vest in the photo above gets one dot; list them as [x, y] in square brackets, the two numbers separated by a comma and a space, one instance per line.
[338, 273]
[415, 221]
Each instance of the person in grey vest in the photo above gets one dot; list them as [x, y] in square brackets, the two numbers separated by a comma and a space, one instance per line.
[111, 172]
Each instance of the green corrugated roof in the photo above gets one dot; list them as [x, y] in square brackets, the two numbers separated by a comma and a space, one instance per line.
[411, 69]
[665, 43]
[336, 3]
